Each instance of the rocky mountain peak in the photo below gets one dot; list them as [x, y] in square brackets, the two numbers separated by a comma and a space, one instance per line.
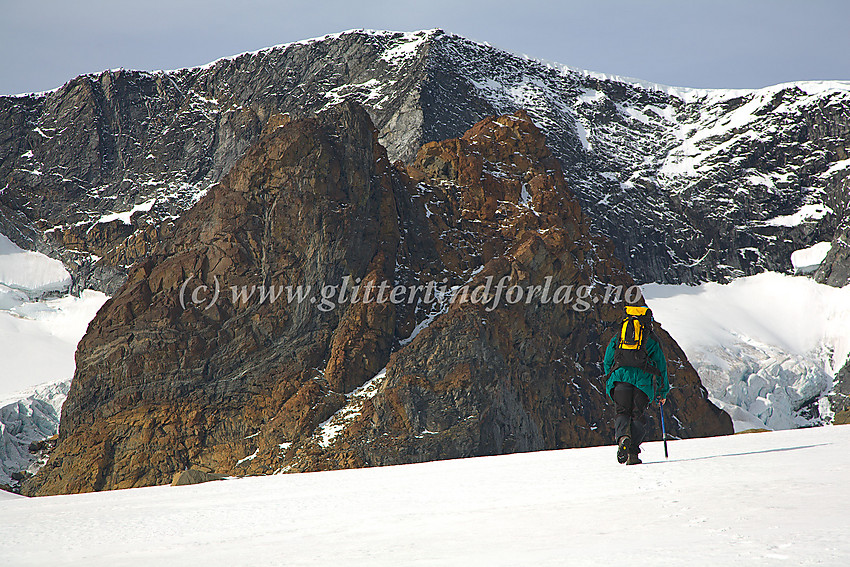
[254, 387]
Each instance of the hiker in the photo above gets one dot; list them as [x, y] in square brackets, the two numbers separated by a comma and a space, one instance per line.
[636, 373]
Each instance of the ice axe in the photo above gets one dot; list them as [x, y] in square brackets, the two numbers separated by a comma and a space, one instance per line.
[663, 432]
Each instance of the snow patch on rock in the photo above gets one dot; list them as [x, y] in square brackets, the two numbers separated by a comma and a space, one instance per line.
[334, 425]
[808, 260]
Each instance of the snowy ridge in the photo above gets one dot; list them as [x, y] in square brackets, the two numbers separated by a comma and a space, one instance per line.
[689, 94]
[717, 127]
[400, 50]
[755, 500]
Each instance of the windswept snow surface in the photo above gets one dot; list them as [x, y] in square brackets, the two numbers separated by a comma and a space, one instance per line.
[767, 347]
[759, 499]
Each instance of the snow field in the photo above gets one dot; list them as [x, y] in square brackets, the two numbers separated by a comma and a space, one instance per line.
[757, 499]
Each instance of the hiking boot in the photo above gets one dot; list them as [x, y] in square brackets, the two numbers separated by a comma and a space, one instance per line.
[633, 459]
[623, 448]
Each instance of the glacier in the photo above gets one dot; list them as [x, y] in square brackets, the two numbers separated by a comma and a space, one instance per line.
[29, 419]
[40, 326]
[766, 347]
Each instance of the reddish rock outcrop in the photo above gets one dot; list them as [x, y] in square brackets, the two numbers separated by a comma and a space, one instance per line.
[256, 387]
[518, 377]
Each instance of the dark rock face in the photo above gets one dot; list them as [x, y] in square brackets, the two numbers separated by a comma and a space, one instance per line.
[835, 270]
[256, 388]
[683, 183]
[840, 398]
[159, 388]
[521, 377]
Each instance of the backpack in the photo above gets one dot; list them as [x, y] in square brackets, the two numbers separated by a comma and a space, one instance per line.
[634, 331]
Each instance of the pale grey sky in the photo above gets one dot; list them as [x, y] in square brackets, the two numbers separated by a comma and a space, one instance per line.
[694, 43]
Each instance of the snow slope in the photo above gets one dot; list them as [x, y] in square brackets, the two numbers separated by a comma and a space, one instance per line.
[767, 347]
[38, 340]
[760, 499]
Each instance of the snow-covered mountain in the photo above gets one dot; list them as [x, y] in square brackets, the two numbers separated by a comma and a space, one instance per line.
[691, 185]
[759, 499]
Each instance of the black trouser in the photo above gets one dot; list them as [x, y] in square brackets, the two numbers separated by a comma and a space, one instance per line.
[630, 402]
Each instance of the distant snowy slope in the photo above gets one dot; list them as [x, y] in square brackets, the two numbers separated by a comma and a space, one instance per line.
[664, 170]
[770, 344]
[762, 499]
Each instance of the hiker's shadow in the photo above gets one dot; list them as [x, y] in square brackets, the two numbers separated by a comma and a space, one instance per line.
[737, 454]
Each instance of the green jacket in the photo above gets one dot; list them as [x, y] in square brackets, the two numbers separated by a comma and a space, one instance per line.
[636, 376]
